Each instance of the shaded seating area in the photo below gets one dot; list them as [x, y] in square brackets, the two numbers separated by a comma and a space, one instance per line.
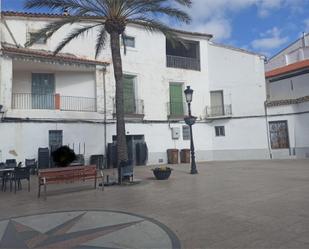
[13, 174]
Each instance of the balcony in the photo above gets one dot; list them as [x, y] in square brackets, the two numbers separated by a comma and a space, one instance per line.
[183, 62]
[216, 112]
[176, 110]
[29, 101]
[132, 109]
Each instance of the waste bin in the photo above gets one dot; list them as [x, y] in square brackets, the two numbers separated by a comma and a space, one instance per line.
[172, 156]
[185, 156]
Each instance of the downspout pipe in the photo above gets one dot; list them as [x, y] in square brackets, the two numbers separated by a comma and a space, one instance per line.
[267, 130]
[105, 115]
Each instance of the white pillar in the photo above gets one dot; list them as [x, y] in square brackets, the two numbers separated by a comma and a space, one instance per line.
[6, 82]
[99, 74]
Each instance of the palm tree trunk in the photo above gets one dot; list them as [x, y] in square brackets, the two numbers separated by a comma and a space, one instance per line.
[122, 153]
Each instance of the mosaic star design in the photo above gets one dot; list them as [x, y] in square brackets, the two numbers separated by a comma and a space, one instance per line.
[82, 230]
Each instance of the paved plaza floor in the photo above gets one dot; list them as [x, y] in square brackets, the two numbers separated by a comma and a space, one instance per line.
[247, 204]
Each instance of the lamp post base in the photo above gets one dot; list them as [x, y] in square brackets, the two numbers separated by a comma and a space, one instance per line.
[194, 172]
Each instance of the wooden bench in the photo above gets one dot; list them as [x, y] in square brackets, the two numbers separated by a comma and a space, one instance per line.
[68, 175]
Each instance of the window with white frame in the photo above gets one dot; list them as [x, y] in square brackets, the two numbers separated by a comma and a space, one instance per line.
[186, 132]
[129, 41]
[220, 131]
[32, 35]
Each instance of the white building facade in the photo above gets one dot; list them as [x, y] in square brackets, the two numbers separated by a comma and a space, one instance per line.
[287, 80]
[69, 98]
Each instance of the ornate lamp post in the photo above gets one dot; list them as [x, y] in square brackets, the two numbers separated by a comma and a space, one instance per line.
[190, 120]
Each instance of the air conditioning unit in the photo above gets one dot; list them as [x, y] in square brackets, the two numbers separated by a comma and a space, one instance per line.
[175, 133]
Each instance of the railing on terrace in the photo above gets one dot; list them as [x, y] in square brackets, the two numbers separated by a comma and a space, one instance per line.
[176, 109]
[218, 111]
[29, 101]
[132, 107]
[183, 62]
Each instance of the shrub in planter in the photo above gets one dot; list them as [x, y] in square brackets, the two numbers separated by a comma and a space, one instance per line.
[63, 156]
[162, 173]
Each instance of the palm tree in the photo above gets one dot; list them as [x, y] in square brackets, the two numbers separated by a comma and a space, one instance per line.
[111, 17]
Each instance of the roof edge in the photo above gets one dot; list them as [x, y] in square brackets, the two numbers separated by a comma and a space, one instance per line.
[55, 15]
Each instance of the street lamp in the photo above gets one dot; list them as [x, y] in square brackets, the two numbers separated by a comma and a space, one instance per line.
[190, 120]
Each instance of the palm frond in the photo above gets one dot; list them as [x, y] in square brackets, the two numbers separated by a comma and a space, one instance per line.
[50, 29]
[101, 40]
[73, 35]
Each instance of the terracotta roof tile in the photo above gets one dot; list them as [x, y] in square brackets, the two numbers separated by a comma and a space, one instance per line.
[55, 15]
[12, 50]
[288, 69]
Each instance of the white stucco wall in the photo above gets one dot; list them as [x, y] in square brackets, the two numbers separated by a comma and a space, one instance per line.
[241, 77]
[20, 138]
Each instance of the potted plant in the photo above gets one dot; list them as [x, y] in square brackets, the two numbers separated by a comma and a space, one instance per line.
[162, 173]
[63, 156]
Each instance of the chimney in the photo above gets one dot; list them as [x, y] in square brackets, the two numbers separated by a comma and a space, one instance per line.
[65, 12]
[304, 39]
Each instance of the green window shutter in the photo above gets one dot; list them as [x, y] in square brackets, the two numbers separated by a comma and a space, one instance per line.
[43, 90]
[128, 95]
[176, 100]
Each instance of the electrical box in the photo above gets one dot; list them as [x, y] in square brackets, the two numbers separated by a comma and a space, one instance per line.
[175, 133]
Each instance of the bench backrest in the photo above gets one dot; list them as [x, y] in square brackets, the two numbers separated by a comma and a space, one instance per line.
[68, 173]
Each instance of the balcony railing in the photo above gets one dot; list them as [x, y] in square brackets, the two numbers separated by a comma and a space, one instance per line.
[183, 62]
[218, 111]
[176, 109]
[132, 107]
[29, 101]
[78, 104]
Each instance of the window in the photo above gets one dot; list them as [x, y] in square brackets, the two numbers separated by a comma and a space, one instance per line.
[55, 139]
[220, 131]
[186, 132]
[129, 41]
[216, 101]
[129, 94]
[32, 35]
[176, 100]
[43, 90]
[279, 135]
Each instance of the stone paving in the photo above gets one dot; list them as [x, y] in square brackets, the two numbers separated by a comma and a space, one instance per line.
[248, 204]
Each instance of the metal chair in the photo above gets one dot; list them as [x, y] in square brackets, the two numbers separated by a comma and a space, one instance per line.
[21, 174]
[10, 163]
[32, 164]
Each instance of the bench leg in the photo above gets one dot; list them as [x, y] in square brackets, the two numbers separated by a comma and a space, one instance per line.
[102, 182]
[95, 182]
[45, 192]
[39, 192]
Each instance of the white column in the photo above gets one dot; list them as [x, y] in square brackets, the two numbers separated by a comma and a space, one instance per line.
[6, 82]
[99, 75]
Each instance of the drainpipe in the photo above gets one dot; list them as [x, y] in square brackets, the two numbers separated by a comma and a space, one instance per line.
[105, 117]
[267, 130]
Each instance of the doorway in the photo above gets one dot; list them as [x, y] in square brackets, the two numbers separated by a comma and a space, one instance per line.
[133, 145]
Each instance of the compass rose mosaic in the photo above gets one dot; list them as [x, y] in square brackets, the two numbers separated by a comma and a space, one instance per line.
[85, 230]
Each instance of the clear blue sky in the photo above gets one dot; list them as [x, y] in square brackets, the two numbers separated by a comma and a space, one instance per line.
[264, 26]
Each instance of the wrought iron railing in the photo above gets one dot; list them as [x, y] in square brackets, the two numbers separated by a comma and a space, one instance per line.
[78, 104]
[219, 111]
[133, 107]
[176, 109]
[183, 62]
[30, 101]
